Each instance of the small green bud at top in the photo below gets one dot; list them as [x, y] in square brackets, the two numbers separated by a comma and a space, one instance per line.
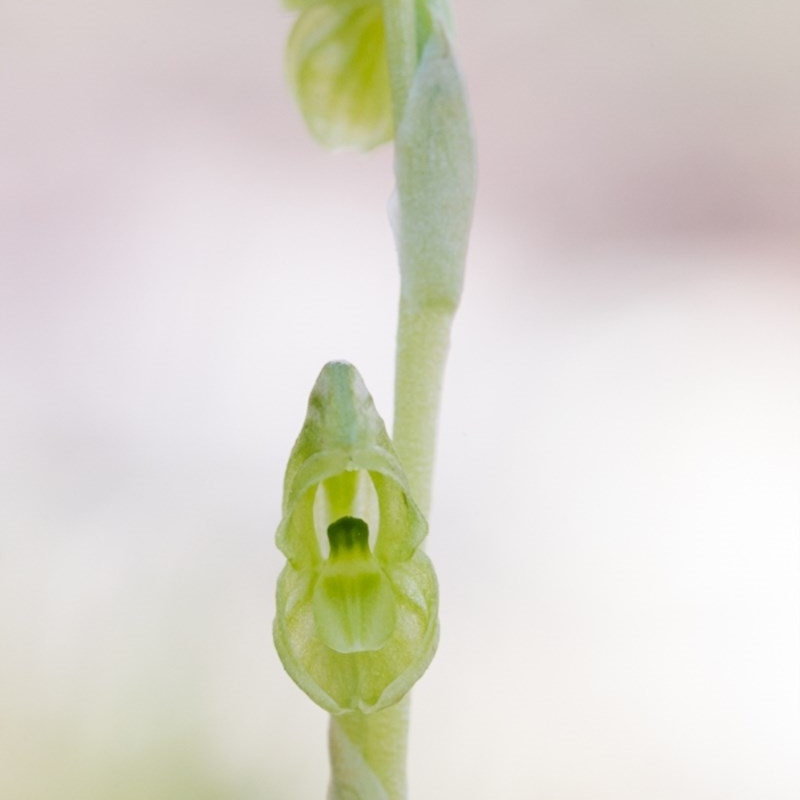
[337, 65]
[357, 602]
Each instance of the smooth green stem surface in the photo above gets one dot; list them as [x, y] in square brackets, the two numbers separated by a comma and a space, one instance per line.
[368, 754]
[400, 24]
[423, 340]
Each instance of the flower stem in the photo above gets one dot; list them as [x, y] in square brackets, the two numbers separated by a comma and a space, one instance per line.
[368, 751]
[400, 26]
[423, 340]
[368, 754]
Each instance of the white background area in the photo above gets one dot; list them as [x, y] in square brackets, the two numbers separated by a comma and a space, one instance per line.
[617, 498]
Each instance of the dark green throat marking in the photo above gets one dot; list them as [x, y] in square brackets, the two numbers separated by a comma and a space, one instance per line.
[354, 604]
[348, 536]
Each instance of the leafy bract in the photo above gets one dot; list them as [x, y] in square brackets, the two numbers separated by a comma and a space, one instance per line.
[436, 178]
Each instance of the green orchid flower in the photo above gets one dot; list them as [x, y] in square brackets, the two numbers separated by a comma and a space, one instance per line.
[357, 602]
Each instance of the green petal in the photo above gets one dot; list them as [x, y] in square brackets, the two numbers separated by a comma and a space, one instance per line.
[357, 602]
[368, 680]
[337, 66]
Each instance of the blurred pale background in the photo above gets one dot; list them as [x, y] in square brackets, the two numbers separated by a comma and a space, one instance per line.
[618, 486]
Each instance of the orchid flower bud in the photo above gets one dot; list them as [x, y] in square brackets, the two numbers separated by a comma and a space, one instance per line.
[337, 65]
[357, 601]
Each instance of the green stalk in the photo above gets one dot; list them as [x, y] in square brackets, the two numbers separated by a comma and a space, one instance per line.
[368, 751]
[368, 754]
[423, 340]
[400, 26]
[435, 170]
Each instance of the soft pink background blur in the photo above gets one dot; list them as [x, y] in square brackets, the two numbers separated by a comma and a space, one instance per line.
[618, 506]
